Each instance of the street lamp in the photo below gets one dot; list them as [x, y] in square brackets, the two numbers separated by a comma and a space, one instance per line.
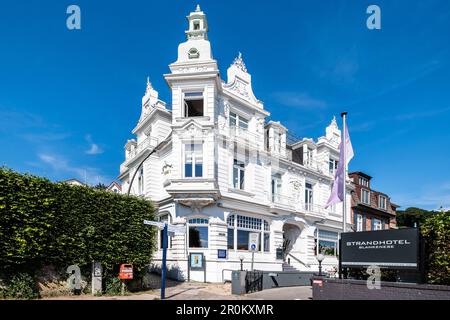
[320, 258]
[241, 257]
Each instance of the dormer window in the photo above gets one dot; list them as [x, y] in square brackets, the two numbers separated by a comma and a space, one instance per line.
[193, 104]
[364, 182]
[193, 53]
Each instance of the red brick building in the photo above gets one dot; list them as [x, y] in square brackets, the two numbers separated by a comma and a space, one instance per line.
[371, 210]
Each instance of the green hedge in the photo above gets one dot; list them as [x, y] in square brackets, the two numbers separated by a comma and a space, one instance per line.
[45, 223]
[436, 231]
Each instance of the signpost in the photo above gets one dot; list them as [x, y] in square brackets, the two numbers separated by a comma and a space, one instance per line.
[253, 238]
[166, 228]
[398, 249]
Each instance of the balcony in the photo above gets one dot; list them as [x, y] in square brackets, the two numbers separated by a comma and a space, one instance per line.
[242, 135]
[147, 143]
[282, 202]
[197, 192]
[133, 150]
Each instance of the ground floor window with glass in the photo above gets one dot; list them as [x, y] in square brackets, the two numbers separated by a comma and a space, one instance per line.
[239, 228]
[198, 233]
[327, 242]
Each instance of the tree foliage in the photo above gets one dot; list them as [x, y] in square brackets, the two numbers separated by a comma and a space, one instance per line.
[45, 223]
[436, 231]
[412, 217]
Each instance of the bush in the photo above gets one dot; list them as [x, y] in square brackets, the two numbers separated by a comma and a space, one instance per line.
[45, 223]
[21, 286]
[436, 232]
[114, 287]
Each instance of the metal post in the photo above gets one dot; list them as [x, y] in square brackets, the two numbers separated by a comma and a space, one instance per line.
[163, 267]
[320, 268]
[253, 259]
[340, 258]
[344, 142]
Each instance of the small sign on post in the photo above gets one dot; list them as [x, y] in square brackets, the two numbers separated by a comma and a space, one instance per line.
[166, 230]
[253, 240]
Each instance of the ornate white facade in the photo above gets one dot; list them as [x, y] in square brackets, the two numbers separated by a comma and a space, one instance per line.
[218, 167]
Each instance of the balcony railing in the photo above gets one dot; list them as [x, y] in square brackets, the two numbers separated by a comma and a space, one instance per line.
[296, 205]
[284, 200]
[147, 143]
[242, 134]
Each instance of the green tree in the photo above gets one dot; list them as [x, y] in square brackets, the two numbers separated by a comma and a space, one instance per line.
[412, 217]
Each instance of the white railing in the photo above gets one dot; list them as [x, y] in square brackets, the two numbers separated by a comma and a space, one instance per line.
[284, 200]
[296, 205]
[147, 143]
[243, 135]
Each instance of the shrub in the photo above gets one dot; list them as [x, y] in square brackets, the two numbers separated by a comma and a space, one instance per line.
[114, 286]
[45, 223]
[436, 232]
[22, 286]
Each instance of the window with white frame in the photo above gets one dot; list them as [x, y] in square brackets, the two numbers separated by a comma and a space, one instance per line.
[365, 196]
[332, 166]
[238, 174]
[141, 181]
[327, 242]
[309, 157]
[193, 104]
[239, 228]
[382, 202]
[308, 196]
[359, 222]
[364, 182]
[276, 187]
[193, 160]
[198, 233]
[236, 121]
[376, 224]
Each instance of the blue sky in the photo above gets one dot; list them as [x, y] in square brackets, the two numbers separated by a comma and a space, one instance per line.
[69, 99]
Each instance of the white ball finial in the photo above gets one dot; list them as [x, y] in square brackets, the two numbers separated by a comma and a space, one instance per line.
[197, 9]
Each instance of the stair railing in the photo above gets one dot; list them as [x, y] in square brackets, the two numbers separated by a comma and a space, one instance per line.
[298, 260]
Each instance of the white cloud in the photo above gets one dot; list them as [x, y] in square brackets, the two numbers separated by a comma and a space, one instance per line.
[62, 168]
[94, 148]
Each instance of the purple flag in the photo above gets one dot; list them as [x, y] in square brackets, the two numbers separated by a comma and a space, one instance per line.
[337, 193]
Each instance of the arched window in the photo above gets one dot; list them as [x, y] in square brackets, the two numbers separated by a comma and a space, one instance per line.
[239, 228]
[198, 233]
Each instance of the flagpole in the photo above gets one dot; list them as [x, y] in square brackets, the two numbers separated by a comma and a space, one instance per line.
[344, 143]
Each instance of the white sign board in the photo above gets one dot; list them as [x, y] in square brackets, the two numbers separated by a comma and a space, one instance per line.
[253, 238]
[154, 223]
[170, 228]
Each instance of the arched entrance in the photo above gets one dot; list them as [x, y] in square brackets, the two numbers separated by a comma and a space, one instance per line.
[291, 239]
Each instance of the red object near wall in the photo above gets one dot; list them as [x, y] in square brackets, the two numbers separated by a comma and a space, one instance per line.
[126, 271]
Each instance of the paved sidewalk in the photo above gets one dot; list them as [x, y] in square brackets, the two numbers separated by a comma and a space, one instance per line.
[205, 291]
[286, 293]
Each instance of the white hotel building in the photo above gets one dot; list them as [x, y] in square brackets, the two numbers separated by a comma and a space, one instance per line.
[214, 164]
